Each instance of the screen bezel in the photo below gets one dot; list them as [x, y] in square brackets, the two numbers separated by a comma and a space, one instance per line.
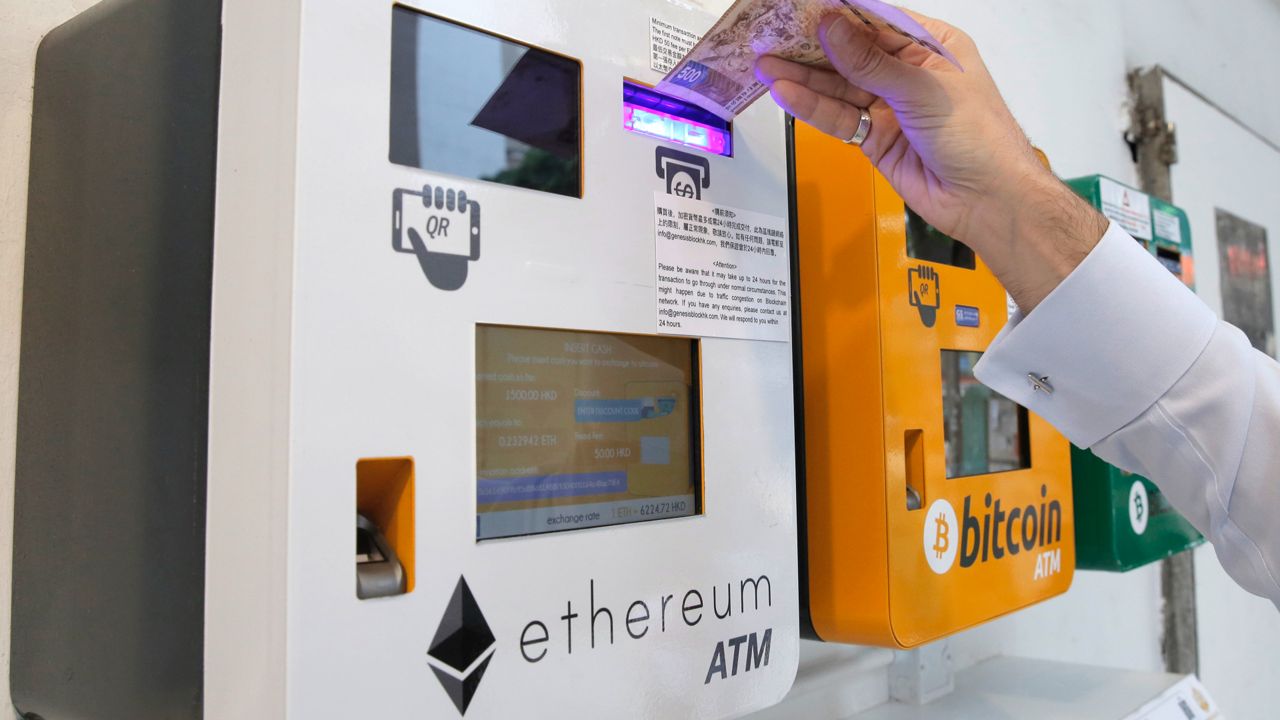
[582, 108]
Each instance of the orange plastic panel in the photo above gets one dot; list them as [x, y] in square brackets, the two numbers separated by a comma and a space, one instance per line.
[872, 378]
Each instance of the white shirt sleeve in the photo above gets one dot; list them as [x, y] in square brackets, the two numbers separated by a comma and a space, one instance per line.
[1132, 365]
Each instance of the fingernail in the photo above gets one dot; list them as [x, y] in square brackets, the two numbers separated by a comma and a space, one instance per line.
[839, 29]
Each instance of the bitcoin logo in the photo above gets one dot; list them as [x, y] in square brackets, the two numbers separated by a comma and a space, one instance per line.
[942, 538]
[1139, 507]
[940, 524]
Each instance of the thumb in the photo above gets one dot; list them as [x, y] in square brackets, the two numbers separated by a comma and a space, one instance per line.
[853, 52]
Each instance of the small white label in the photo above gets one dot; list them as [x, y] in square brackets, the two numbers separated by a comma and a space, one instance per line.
[668, 44]
[1187, 700]
[721, 271]
[1168, 225]
[1128, 208]
[1139, 507]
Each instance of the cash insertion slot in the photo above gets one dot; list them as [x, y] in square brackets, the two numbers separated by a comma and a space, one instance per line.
[384, 527]
[648, 112]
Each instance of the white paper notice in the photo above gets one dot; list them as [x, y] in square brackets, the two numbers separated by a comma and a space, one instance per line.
[1130, 209]
[722, 272]
[668, 44]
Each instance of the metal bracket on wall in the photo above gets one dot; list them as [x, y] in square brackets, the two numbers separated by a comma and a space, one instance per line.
[1154, 140]
[1151, 136]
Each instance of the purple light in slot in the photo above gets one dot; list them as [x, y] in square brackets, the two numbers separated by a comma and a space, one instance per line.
[671, 128]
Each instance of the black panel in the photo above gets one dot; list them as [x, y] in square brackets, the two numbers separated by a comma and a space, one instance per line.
[108, 560]
[926, 242]
[1244, 267]
[807, 629]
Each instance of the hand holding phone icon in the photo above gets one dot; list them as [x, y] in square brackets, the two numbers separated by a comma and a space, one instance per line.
[441, 227]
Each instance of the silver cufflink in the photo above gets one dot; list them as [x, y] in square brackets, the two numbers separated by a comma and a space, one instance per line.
[1040, 383]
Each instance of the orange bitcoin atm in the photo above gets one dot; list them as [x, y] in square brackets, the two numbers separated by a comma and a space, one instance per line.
[929, 503]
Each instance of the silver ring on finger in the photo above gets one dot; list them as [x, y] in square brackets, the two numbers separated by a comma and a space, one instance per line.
[864, 129]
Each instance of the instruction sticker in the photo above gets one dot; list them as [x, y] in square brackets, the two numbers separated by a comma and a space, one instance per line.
[1128, 208]
[967, 316]
[668, 44]
[1167, 226]
[721, 271]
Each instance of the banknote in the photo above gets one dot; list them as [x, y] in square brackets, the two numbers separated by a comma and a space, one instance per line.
[718, 73]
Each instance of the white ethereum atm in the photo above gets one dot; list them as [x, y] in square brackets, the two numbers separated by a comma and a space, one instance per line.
[447, 276]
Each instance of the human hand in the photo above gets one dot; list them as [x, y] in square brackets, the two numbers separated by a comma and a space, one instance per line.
[948, 144]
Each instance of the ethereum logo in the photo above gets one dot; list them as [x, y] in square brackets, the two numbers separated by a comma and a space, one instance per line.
[462, 647]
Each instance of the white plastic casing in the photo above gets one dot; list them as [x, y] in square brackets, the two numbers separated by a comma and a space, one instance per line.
[330, 347]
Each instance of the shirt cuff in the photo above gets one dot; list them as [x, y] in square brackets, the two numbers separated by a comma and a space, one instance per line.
[1109, 342]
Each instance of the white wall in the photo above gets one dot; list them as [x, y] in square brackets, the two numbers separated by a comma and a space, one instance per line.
[22, 24]
[1224, 49]
[1061, 64]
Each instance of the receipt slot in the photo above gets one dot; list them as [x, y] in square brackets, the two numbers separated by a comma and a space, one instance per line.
[353, 385]
[1123, 521]
[930, 503]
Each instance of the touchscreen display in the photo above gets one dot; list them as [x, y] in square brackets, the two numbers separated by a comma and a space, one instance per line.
[925, 242]
[985, 432]
[582, 429]
[475, 105]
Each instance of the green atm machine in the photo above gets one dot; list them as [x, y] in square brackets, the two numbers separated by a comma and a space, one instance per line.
[1123, 521]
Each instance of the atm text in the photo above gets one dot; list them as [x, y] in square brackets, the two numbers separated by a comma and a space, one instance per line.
[724, 665]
